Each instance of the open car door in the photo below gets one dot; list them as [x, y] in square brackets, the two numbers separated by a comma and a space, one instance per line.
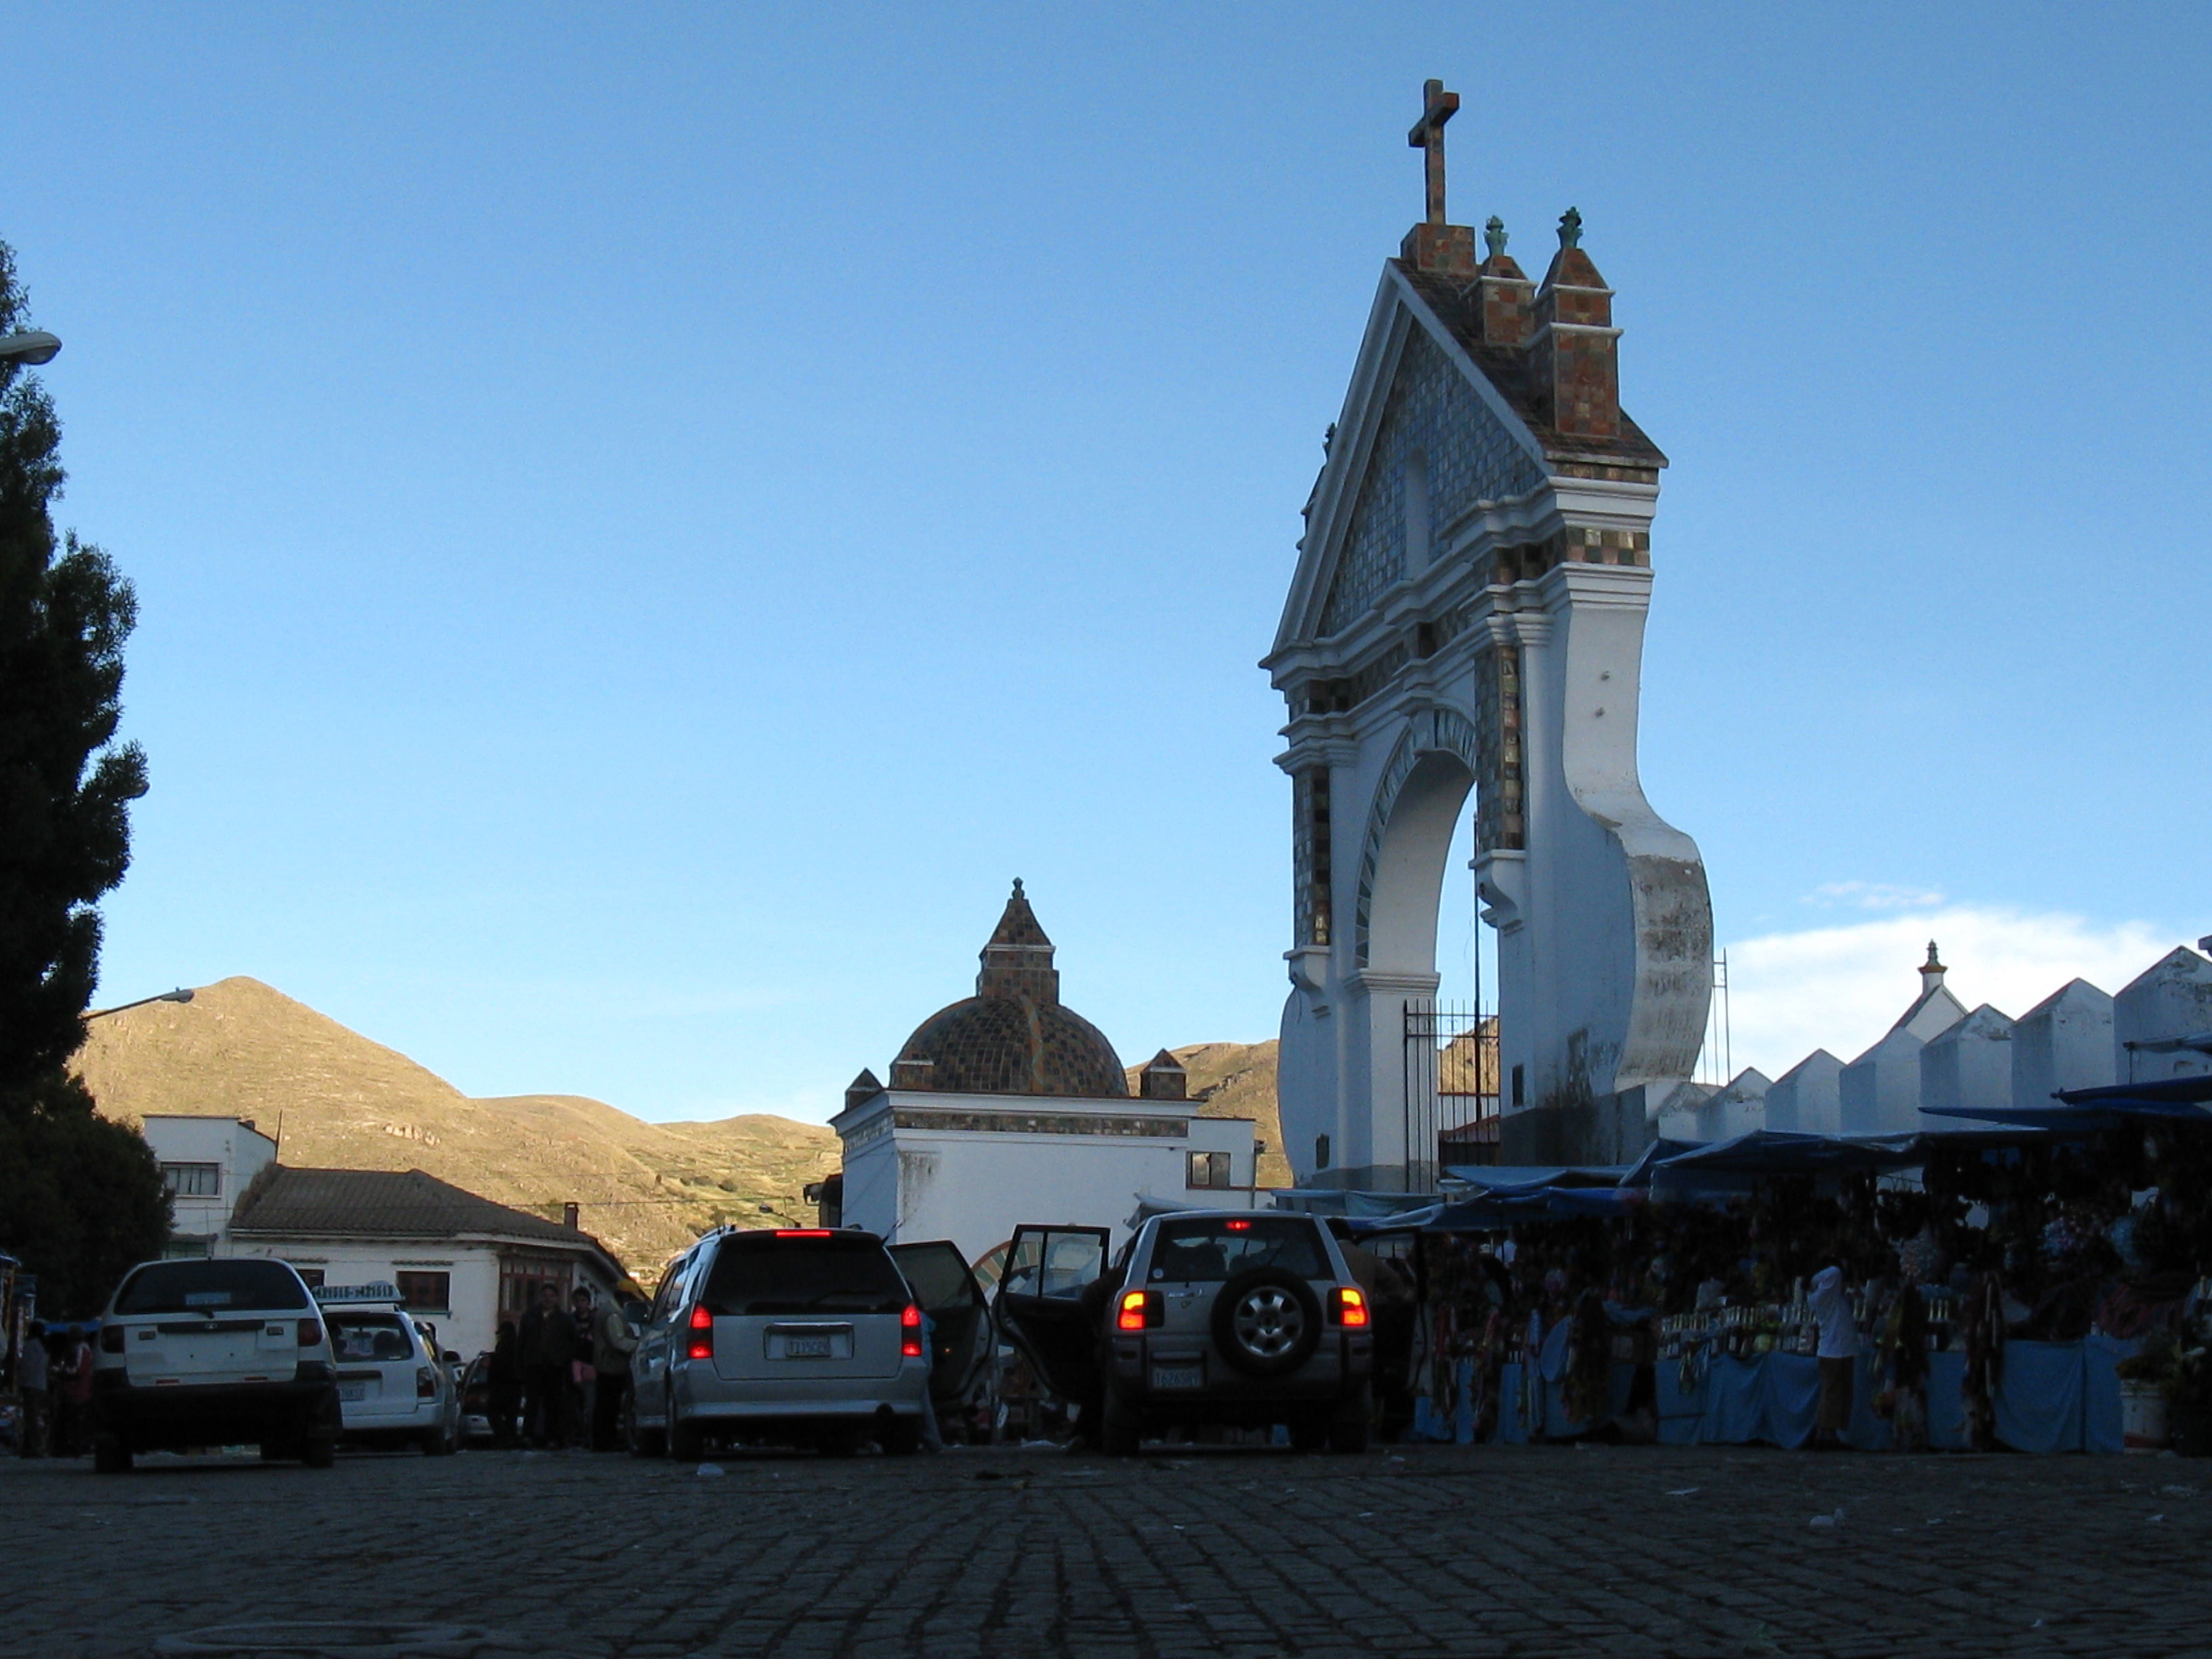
[964, 1344]
[1042, 1310]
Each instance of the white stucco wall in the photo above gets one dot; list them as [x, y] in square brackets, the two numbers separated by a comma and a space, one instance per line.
[976, 1186]
[1968, 1064]
[1879, 1092]
[1808, 1096]
[2064, 1042]
[2171, 998]
[472, 1319]
[239, 1151]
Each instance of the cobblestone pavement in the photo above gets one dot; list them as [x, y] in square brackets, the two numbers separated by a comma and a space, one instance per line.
[1448, 1551]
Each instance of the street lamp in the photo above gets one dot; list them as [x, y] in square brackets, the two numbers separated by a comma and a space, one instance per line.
[180, 994]
[35, 347]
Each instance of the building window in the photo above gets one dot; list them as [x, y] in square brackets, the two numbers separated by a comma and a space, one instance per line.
[193, 1180]
[425, 1293]
[1208, 1170]
[186, 1247]
[311, 1277]
[1321, 1152]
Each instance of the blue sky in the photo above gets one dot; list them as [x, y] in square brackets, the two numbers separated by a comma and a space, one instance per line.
[647, 517]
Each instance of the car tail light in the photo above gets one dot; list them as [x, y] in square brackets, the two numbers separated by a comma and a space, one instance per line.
[1351, 1307]
[910, 1331]
[426, 1382]
[702, 1327]
[111, 1339]
[1239, 1225]
[310, 1332]
[1138, 1311]
[802, 1232]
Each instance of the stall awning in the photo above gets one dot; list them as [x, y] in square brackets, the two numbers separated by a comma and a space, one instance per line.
[2109, 1107]
[1788, 1151]
[1535, 1177]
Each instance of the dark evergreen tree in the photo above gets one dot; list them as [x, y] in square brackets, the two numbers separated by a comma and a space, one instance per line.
[79, 1198]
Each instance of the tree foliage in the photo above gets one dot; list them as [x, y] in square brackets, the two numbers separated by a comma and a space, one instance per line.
[80, 1198]
[65, 785]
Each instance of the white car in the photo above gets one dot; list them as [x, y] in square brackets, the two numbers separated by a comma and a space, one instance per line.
[196, 1354]
[394, 1387]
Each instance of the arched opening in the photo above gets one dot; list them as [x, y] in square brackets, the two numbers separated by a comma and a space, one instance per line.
[1408, 881]
[1431, 983]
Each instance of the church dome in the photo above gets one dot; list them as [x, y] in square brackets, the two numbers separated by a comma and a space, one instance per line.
[1011, 1037]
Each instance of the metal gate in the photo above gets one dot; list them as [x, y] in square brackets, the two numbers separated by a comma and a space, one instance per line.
[1451, 1090]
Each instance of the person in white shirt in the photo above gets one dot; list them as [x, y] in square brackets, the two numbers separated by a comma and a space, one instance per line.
[1839, 1357]
[32, 1367]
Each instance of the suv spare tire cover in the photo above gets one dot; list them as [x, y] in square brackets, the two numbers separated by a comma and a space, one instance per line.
[1266, 1321]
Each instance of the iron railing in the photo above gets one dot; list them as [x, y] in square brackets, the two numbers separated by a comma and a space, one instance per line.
[1452, 1089]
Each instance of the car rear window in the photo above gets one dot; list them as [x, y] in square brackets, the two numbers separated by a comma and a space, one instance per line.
[370, 1336]
[163, 1287]
[1211, 1250]
[759, 1274]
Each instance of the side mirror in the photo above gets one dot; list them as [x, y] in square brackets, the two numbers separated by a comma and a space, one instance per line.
[452, 1359]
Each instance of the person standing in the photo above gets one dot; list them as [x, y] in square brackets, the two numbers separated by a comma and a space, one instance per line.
[612, 1343]
[1839, 1357]
[583, 1375]
[548, 1346]
[503, 1383]
[33, 1369]
[73, 1390]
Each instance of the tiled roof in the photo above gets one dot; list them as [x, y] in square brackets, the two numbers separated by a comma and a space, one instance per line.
[1018, 926]
[1508, 371]
[387, 1203]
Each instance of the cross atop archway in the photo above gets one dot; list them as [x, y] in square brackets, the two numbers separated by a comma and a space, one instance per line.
[1438, 106]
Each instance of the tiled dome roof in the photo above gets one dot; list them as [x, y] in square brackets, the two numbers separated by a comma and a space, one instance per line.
[1011, 1037]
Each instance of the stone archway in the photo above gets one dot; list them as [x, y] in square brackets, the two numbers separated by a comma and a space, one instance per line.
[1417, 806]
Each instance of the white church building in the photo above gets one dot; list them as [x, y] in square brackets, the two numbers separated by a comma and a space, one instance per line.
[1008, 1107]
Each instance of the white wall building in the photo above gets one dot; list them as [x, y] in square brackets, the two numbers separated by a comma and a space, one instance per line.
[1940, 1057]
[459, 1259]
[206, 1163]
[1008, 1107]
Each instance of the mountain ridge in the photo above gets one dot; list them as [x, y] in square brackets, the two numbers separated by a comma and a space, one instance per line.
[337, 1099]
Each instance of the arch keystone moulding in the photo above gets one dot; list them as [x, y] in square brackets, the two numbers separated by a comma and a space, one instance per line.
[1467, 618]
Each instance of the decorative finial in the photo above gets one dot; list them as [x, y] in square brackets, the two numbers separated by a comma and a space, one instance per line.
[1570, 229]
[1328, 439]
[1932, 965]
[1493, 236]
[1017, 886]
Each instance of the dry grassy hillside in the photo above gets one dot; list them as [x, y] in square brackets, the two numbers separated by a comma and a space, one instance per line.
[1236, 1079]
[240, 1048]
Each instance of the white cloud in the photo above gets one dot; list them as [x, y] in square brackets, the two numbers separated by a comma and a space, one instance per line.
[1840, 988]
[1873, 896]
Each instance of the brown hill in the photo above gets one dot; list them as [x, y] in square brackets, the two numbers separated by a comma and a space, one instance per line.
[240, 1048]
[1236, 1079]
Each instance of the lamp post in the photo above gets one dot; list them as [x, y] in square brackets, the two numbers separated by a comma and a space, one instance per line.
[180, 994]
[33, 347]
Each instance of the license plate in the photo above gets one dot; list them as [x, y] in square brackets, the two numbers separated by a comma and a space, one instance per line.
[806, 1347]
[352, 1391]
[1178, 1376]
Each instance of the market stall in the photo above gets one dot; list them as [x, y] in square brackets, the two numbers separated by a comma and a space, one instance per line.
[2026, 1283]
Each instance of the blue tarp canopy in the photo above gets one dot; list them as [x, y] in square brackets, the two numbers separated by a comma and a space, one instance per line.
[1536, 1177]
[1788, 1151]
[2181, 1099]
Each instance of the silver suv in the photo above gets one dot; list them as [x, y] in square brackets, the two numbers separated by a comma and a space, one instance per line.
[1245, 1318]
[801, 1333]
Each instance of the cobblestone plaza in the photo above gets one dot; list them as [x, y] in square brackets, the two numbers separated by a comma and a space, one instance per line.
[1419, 1551]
